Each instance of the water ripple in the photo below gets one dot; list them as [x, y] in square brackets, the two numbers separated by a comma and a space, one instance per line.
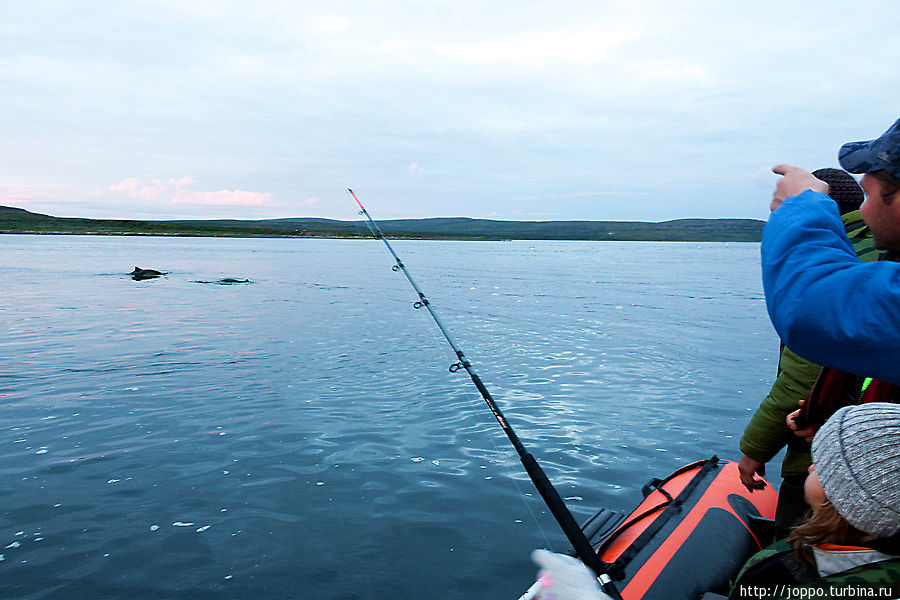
[185, 441]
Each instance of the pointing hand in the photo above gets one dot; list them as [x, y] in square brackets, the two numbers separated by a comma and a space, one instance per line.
[795, 180]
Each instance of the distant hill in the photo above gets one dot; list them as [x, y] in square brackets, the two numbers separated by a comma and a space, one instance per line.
[17, 220]
[9, 211]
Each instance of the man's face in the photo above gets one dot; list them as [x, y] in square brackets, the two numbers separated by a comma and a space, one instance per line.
[882, 218]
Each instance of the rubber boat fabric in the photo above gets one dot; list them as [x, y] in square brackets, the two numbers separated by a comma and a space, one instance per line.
[690, 535]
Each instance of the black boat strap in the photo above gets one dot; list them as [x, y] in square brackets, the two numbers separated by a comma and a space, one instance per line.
[669, 507]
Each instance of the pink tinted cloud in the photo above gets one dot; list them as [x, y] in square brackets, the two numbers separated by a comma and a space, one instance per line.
[181, 181]
[135, 188]
[14, 195]
[177, 191]
[221, 198]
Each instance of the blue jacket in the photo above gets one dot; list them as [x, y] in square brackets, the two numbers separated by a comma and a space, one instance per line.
[826, 305]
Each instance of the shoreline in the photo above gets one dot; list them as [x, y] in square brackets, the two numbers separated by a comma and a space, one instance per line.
[20, 221]
[325, 236]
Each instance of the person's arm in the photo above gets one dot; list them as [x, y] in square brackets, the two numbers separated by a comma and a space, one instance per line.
[767, 433]
[826, 305]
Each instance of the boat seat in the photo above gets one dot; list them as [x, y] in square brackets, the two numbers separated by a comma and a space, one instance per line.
[601, 525]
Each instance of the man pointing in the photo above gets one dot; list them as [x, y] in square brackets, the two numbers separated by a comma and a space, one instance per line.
[825, 304]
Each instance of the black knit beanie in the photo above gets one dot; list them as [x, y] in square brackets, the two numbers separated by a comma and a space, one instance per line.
[842, 188]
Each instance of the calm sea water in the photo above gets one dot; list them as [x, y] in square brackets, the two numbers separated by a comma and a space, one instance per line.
[300, 436]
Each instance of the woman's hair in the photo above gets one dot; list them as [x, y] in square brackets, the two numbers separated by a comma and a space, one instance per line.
[890, 184]
[826, 525]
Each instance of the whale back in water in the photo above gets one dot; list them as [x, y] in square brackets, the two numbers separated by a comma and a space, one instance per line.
[226, 281]
[140, 273]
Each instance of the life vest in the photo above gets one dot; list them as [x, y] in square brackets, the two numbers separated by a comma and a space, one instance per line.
[835, 389]
[779, 570]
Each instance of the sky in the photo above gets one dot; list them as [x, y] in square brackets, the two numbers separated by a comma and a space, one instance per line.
[562, 110]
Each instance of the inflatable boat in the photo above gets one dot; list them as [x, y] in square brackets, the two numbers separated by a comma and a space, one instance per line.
[690, 535]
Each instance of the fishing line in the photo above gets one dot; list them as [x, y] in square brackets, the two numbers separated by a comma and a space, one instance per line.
[526, 498]
[551, 497]
[466, 392]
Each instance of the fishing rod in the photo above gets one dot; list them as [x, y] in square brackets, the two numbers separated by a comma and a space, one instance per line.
[551, 497]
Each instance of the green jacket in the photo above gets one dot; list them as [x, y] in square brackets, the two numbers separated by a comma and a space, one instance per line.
[782, 573]
[767, 433]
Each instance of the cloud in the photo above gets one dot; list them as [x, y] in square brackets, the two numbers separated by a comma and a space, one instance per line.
[334, 24]
[221, 198]
[181, 181]
[134, 188]
[543, 102]
[675, 69]
[14, 194]
[177, 191]
[23, 194]
[537, 48]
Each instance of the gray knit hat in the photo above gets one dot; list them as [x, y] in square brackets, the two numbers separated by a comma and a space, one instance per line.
[857, 459]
